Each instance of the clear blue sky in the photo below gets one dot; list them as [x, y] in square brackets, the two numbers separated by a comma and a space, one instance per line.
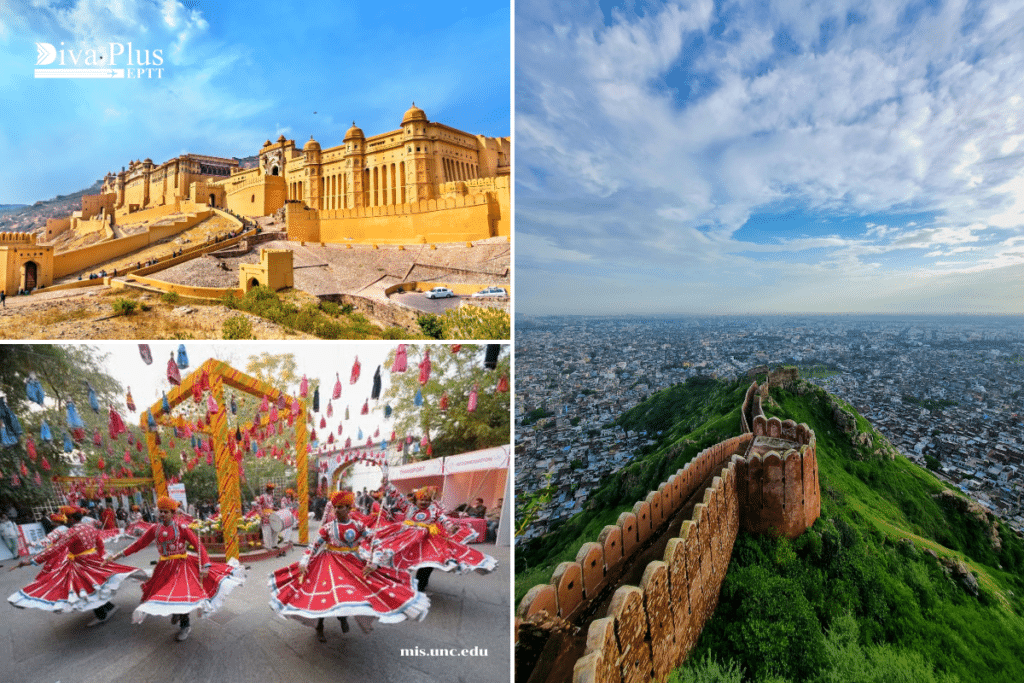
[771, 156]
[236, 73]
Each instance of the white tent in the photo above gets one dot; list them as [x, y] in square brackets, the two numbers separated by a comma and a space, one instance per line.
[461, 478]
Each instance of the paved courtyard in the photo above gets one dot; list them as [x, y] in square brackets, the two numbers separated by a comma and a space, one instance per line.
[245, 642]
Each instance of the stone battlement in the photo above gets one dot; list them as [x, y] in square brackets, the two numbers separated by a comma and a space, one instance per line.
[20, 238]
[764, 481]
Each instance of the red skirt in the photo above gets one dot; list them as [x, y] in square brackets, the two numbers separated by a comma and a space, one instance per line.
[74, 584]
[406, 546]
[335, 587]
[176, 588]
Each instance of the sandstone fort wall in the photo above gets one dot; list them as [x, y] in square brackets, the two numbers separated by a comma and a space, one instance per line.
[650, 629]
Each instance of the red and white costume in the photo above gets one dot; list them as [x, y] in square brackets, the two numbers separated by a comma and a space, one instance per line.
[334, 585]
[176, 587]
[74, 577]
[136, 525]
[266, 505]
[370, 519]
[422, 540]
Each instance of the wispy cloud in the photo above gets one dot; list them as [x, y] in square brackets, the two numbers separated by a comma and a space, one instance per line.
[665, 132]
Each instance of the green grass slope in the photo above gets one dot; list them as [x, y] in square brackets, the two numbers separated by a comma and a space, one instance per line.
[866, 594]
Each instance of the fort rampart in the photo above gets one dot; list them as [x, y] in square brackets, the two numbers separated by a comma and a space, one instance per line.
[649, 629]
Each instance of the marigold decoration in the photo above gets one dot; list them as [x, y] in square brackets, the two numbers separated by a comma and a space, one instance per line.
[401, 359]
[147, 356]
[173, 376]
[336, 394]
[471, 406]
[355, 372]
[425, 368]
[502, 384]
[129, 402]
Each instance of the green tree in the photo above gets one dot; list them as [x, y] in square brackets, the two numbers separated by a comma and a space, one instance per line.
[65, 373]
[455, 430]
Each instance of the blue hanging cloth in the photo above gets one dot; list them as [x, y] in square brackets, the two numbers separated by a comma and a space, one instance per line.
[34, 390]
[93, 401]
[234, 406]
[383, 445]
[44, 432]
[149, 420]
[419, 398]
[316, 400]
[6, 438]
[74, 420]
[167, 405]
[359, 436]
[192, 439]
[68, 444]
[387, 411]
[182, 357]
[9, 419]
[416, 447]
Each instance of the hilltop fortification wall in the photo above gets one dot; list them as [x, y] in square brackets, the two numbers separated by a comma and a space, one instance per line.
[649, 630]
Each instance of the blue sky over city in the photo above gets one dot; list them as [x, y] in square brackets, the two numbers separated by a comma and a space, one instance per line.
[236, 74]
[730, 157]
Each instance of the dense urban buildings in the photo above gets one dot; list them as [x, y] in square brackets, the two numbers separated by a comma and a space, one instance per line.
[947, 392]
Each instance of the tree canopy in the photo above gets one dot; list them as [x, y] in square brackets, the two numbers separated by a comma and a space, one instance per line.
[453, 430]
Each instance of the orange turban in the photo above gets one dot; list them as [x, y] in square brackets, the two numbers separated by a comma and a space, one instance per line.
[426, 493]
[166, 503]
[343, 498]
[58, 517]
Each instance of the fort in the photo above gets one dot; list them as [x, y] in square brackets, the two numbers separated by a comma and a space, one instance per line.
[423, 183]
[675, 544]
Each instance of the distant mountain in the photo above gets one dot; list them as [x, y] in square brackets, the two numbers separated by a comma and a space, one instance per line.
[7, 208]
[901, 578]
[30, 218]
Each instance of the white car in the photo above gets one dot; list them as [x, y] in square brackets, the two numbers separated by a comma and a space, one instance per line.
[440, 293]
[491, 291]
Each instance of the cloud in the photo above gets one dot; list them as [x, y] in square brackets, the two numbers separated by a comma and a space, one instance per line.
[688, 120]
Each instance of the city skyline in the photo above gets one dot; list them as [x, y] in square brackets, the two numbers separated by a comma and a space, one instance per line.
[708, 158]
[234, 75]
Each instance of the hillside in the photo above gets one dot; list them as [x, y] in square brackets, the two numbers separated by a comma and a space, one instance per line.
[29, 218]
[901, 576]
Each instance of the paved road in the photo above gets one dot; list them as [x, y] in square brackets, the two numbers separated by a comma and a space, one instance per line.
[245, 642]
[420, 302]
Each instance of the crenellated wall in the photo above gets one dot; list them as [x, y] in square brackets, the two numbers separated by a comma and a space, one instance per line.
[650, 629]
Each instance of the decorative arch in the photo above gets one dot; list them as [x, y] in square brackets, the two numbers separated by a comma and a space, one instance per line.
[220, 373]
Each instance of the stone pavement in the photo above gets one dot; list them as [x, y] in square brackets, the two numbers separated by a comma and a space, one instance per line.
[245, 642]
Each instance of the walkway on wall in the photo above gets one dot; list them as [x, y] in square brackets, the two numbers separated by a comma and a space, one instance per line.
[562, 650]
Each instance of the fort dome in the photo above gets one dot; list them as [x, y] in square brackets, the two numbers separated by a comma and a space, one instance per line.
[311, 145]
[281, 139]
[354, 132]
[414, 114]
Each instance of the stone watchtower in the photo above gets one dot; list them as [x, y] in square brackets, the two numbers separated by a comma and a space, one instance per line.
[24, 265]
[314, 173]
[357, 192]
[418, 172]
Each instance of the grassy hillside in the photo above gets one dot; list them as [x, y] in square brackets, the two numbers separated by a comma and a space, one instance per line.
[684, 419]
[900, 578]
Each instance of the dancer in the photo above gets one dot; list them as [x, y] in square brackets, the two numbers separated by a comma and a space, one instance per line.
[427, 540]
[332, 580]
[181, 582]
[74, 577]
[266, 503]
